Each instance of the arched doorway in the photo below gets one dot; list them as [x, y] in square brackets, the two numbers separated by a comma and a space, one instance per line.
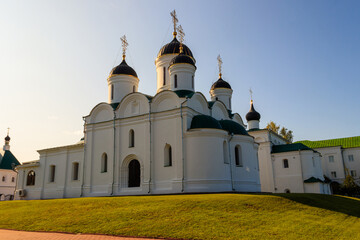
[134, 174]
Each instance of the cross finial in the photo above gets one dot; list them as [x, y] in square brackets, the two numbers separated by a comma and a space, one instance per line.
[174, 20]
[181, 36]
[251, 92]
[8, 129]
[220, 62]
[124, 44]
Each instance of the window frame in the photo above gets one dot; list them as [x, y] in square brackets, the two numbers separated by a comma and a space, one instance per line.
[75, 171]
[168, 156]
[225, 153]
[131, 138]
[52, 173]
[112, 91]
[104, 163]
[286, 163]
[30, 178]
[238, 156]
[164, 76]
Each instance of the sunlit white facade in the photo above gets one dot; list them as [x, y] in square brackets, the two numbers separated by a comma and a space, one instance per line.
[174, 142]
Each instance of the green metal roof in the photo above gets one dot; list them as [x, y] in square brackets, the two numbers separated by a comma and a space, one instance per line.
[230, 113]
[289, 148]
[8, 161]
[349, 142]
[204, 121]
[254, 129]
[211, 103]
[148, 97]
[313, 180]
[184, 93]
[114, 105]
[233, 127]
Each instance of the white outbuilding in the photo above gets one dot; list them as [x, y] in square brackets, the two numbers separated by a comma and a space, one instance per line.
[8, 175]
[286, 167]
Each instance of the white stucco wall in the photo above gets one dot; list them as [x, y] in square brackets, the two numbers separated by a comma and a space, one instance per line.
[336, 166]
[7, 183]
[197, 155]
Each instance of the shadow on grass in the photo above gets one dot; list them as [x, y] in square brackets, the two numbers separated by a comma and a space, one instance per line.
[335, 203]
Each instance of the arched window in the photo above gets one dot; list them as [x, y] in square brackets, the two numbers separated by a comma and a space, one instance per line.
[287, 191]
[104, 163]
[52, 173]
[134, 174]
[238, 156]
[167, 156]
[75, 171]
[286, 163]
[133, 88]
[13, 179]
[131, 138]
[164, 81]
[112, 91]
[192, 81]
[3, 178]
[225, 152]
[30, 181]
[175, 81]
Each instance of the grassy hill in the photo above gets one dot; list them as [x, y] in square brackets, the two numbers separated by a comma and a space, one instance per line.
[200, 216]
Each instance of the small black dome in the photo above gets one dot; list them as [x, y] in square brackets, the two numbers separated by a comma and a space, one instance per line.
[7, 138]
[173, 47]
[220, 83]
[182, 58]
[123, 68]
[252, 114]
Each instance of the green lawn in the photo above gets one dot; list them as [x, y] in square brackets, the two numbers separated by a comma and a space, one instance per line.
[201, 216]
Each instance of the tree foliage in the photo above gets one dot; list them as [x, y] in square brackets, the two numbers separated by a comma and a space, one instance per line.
[284, 132]
[349, 187]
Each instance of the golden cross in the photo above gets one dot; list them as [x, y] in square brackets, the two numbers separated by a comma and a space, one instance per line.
[251, 92]
[8, 131]
[124, 44]
[181, 36]
[175, 21]
[220, 62]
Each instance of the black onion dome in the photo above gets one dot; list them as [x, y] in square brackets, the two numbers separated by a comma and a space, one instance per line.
[173, 47]
[7, 138]
[123, 68]
[220, 83]
[252, 114]
[182, 58]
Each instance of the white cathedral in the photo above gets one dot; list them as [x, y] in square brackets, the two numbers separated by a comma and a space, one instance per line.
[174, 142]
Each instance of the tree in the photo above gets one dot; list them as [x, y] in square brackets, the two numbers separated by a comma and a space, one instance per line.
[349, 187]
[273, 127]
[287, 134]
[284, 132]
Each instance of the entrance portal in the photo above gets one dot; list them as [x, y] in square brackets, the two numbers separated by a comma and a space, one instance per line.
[134, 174]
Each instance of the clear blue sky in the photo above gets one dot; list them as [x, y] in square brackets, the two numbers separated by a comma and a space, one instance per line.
[301, 59]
